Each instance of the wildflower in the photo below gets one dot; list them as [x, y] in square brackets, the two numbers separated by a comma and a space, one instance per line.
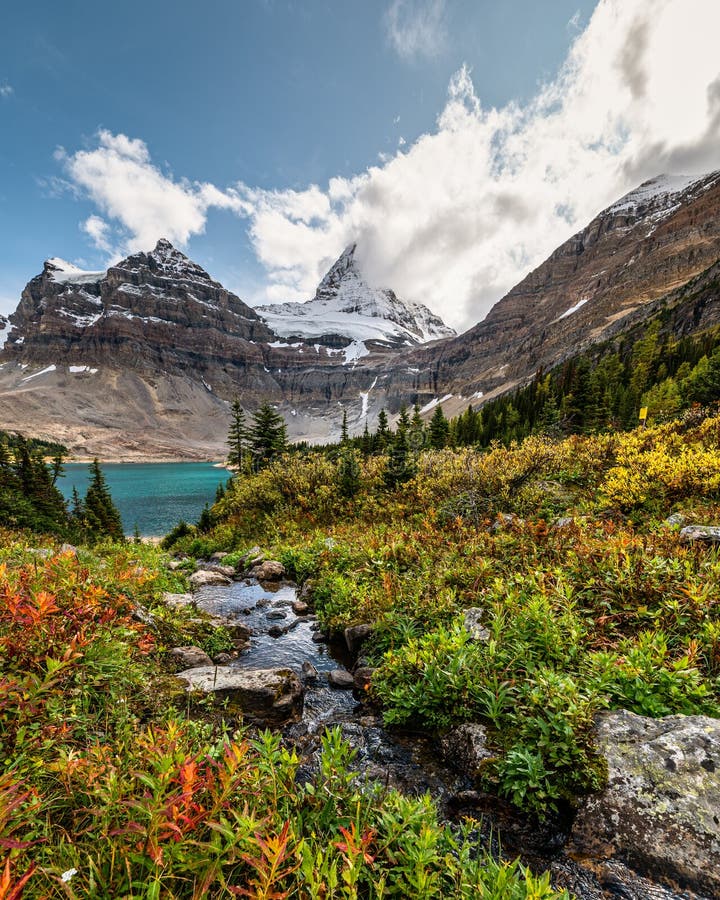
[68, 876]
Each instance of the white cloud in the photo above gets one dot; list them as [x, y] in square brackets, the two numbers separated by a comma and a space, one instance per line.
[99, 232]
[415, 28]
[6, 90]
[460, 215]
[145, 203]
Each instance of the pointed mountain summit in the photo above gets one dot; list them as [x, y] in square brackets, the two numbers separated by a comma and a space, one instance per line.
[345, 308]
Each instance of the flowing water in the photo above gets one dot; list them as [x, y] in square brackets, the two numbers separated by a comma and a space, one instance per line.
[410, 762]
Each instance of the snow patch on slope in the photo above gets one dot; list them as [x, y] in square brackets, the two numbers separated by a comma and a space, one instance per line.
[64, 272]
[659, 191]
[573, 309]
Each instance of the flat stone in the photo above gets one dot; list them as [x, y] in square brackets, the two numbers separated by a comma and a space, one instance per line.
[271, 570]
[204, 577]
[178, 601]
[264, 697]
[706, 534]
[276, 614]
[340, 678]
[660, 811]
[190, 657]
[216, 557]
[356, 635]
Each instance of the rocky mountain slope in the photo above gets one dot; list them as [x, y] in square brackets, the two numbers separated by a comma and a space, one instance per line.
[345, 307]
[613, 272]
[141, 360]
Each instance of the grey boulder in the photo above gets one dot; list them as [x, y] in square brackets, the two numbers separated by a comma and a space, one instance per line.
[204, 577]
[706, 534]
[264, 697]
[660, 810]
[190, 657]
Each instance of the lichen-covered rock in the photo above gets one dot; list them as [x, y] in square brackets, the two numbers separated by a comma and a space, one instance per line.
[178, 601]
[465, 748]
[270, 570]
[203, 577]
[661, 808]
[676, 520]
[190, 657]
[264, 697]
[706, 534]
[473, 624]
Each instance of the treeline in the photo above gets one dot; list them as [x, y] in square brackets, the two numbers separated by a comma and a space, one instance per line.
[30, 498]
[604, 388]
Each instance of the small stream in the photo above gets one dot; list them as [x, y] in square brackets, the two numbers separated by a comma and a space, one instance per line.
[410, 762]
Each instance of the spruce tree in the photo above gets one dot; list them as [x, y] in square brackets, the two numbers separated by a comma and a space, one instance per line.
[344, 429]
[100, 513]
[348, 474]
[268, 436]
[401, 464]
[416, 429]
[237, 440]
[439, 429]
[383, 434]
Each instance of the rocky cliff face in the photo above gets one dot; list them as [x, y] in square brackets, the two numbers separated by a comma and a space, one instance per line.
[143, 359]
[345, 308]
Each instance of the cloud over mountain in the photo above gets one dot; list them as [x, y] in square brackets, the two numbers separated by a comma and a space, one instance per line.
[457, 217]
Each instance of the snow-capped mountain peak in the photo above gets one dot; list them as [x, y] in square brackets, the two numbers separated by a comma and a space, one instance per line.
[345, 306]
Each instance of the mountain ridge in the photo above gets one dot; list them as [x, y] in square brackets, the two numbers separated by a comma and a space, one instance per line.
[144, 360]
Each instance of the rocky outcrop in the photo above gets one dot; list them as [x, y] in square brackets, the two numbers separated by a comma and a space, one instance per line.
[205, 577]
[660, 811]
[703, 534]
[264, 697]
[270, 570]
[190, 657]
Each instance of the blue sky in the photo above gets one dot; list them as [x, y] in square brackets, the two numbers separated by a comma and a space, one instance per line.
[235, 110]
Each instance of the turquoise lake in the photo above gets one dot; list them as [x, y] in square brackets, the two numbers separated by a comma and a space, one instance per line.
[153, 496]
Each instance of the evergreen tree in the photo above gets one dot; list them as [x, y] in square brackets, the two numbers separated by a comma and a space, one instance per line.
[348, 475]
[206, 520]
[401, 463]
[366, 441]
[100, 513]
[237, 440]
[439, 429]
[416, 430]
[383, 434]
[268, 436]
[344, 429]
